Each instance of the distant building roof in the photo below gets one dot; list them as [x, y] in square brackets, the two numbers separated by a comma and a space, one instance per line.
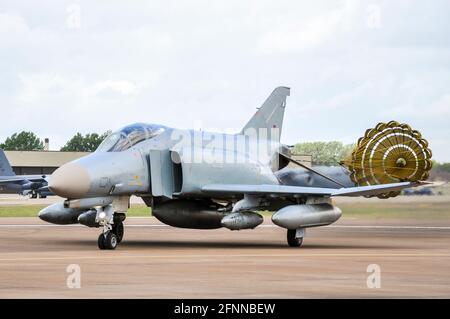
[41, 158]
[303, 159]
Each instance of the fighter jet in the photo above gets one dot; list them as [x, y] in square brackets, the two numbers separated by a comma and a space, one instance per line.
[26, 185]
[204, 180]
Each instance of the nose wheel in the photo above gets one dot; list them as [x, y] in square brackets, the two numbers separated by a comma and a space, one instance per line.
[118, 230]
[107, 241]
[111, 238]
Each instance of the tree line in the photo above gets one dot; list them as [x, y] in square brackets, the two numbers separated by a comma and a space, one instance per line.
[28, 141]
[325, 153]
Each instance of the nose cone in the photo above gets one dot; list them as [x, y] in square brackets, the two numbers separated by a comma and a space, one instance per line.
[70, 181]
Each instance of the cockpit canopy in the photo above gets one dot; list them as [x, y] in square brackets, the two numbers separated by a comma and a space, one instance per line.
[129, 136]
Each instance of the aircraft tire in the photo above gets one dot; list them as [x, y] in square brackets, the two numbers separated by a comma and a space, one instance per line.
[292, 240]
[101, 242]
[111, 241]
[119, 230]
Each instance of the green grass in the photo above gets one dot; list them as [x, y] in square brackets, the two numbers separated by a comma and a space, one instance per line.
[397, 210]
[20, 211]
[355, 210]
[139, 211]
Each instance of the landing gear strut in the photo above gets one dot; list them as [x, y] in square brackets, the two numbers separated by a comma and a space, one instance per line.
[110, 218]
[295, 237]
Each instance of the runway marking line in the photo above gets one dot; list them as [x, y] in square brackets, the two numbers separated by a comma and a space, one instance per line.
[220, 256]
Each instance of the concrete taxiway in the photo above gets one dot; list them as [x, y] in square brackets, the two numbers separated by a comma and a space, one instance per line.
[157, 261]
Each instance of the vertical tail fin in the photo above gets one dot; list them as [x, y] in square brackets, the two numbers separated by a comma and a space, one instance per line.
[5, 167]
[270, 115]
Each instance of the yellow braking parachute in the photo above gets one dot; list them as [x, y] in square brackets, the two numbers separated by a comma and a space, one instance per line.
[389, 153]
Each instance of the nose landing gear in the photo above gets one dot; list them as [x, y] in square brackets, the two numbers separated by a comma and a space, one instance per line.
[113, 229]
[111, 238]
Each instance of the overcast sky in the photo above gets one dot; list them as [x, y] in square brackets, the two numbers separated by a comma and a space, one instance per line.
[91, 66]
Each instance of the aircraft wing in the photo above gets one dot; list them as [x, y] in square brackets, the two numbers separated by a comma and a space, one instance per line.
[285, 190]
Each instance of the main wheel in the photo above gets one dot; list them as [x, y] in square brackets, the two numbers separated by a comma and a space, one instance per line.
[118, 230]
[292, 240]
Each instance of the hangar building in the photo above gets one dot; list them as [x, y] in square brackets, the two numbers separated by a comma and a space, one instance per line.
[39, 162]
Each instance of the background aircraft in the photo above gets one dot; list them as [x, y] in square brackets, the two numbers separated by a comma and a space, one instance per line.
[26, 185]
[206, 180]
[426, 190]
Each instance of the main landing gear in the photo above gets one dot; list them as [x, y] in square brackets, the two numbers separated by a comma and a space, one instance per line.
[34, 194]
[112, 237]
[295, 237]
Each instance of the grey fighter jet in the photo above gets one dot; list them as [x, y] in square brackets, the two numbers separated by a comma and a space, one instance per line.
[201, 180]
[26, 185]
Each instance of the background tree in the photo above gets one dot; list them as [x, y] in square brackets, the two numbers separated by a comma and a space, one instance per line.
[325, 153]
[23, 141]
[86, 143]
[440, 172]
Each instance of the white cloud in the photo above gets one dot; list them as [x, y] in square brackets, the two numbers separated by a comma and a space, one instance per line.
[121, 87]
[40, 87]
[437, 110]
[12, 23]
[300, 35]
[16, 34]
[179, 63]
[296, 34]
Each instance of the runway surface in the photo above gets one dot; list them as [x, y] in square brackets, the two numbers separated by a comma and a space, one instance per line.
[157, 261]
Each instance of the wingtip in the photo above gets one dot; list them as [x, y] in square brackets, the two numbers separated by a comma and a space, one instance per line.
[419, 183]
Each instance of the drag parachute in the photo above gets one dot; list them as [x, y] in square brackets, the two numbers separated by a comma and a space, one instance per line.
[389, 153]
